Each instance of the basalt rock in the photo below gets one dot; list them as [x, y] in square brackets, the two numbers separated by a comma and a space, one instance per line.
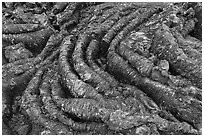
[93, 68]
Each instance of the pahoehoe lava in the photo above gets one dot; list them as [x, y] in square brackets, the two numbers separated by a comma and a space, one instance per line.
[95, 68]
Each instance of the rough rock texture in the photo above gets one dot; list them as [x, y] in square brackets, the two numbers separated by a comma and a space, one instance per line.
[90, 68]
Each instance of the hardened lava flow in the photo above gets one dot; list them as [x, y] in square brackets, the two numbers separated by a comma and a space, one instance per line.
[94, 68]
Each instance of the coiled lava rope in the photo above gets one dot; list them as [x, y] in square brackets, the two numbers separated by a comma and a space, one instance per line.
[90, 68]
